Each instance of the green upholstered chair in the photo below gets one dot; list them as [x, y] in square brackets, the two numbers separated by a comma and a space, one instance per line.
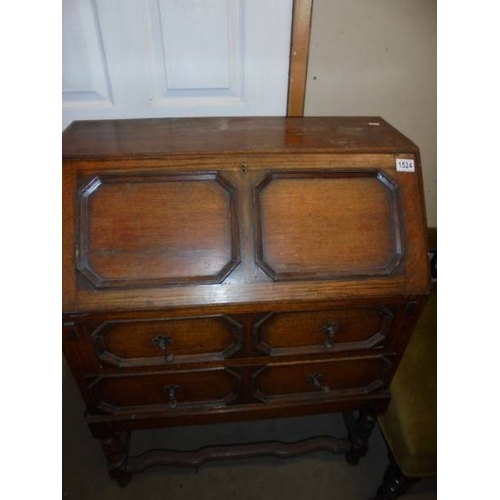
[409, 424]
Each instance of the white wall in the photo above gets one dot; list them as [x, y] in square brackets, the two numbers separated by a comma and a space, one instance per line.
[378, 57]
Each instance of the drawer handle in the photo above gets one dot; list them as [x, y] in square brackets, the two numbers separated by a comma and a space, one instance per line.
[170, 390]
[163, 341]
[317, 381]
[329, 330]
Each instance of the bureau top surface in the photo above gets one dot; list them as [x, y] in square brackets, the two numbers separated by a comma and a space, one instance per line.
[161, 136]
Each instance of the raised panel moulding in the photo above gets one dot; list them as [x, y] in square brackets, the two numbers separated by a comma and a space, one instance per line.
[154, 230]
[272, 332]
[110, 340]
[196, 52]
[281, 383]
[309, 224]
[85, 78]
[146, 392]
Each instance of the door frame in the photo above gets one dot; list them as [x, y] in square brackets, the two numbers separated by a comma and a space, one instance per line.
[299, 55]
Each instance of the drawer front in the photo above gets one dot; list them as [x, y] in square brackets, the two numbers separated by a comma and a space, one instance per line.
[166, 391]
[320, 380]
[323, 331]
[127, 343]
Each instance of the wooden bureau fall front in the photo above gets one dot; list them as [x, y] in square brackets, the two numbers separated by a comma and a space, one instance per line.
[227, 269]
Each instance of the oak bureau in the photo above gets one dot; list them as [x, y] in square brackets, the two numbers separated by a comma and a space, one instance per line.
[230, 269]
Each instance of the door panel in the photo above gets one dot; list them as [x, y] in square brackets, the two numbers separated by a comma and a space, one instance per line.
[85, 77]
[162, 58]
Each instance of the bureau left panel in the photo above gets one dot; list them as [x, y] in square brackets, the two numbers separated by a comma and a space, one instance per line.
[149, 229]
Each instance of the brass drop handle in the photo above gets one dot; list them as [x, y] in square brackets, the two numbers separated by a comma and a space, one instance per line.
[170, 390]
[329, 330]
[163, 341]
[317, 381]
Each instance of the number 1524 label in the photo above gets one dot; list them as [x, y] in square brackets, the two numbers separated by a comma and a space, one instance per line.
[403, 165]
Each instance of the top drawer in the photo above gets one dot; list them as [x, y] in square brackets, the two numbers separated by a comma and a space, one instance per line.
[329, 330]
[160, 341]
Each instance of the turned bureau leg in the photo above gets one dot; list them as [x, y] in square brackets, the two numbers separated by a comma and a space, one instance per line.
[115, 447]
[359, 434]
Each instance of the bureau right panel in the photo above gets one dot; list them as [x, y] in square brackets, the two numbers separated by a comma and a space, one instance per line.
[328, 224]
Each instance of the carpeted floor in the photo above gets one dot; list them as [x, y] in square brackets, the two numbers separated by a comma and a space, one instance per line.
[316, 476]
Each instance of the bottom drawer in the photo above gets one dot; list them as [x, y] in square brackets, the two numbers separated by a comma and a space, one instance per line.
[321, 379]
[164, 391]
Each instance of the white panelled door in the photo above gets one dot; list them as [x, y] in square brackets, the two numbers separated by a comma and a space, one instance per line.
[160, 58]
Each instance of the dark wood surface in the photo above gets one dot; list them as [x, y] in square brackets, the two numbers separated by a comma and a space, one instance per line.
[155, 137]
[163, 341]
[132, 233]
[359, 433]
[320, 379]
[323, 331]
[226, 269]
[197, 458]
[324, 224]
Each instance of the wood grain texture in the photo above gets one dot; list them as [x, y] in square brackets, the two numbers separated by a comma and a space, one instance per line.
[99, 423]
[166, 391]
[163, 342]
[333, 330]
[320, 380]
[154, 230]
[327, 224]
[68, 238]
[215, 237]
[158, 137]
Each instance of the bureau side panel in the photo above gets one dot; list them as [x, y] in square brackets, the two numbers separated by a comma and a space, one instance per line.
[418, 269]
[68, 234]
